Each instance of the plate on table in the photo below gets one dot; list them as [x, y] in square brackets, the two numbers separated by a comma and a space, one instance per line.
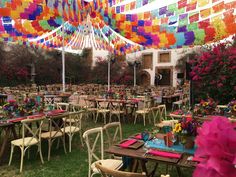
[130, 144]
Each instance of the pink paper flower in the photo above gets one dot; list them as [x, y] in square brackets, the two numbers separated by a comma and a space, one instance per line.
[217, 143]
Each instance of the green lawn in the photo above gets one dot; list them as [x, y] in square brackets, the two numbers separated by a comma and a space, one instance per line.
[70, 164]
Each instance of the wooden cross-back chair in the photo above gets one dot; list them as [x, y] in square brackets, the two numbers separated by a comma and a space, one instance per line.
[27, 141]
[116, 110]
[73, 125]
[102, 109]
[56, 131]
[143, 110]
[94, 141]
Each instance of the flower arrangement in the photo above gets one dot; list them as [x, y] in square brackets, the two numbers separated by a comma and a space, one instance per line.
[216, 143]
[185, 131]
[30, 105]
[10, 108]
[205, 107]
[232, 107]
[186, 127]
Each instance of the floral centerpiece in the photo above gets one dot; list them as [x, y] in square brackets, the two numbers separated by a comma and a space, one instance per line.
[10, 108]
[30, 106]
[187, 130]
[205, 107]
[232, 107]
[110, 93]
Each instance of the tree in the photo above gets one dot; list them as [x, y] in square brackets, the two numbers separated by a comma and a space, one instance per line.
[214, 72]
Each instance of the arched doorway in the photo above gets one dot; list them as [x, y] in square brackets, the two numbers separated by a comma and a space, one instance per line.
[145, 79]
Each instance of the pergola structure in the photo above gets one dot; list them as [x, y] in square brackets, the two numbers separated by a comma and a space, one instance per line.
[115, 25]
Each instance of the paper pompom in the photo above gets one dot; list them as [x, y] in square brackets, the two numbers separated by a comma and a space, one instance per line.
[216, 142]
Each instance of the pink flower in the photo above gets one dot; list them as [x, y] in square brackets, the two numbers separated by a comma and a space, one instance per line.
[219, 85]
[217, 143]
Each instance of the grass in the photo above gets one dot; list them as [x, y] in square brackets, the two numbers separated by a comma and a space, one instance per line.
[72, 164]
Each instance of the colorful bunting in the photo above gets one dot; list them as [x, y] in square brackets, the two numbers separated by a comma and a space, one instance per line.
[176, 25]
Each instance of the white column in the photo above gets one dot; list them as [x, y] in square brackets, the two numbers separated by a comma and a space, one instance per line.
[63, 57]
[134, 74]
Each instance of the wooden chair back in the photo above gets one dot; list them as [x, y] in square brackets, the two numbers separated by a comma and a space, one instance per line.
[94, 140]
[106, 172]
[56, 126]
[74, 120]
[162, 111]
[114, 132]
[102, 104]
[34, 131]
[63, 106]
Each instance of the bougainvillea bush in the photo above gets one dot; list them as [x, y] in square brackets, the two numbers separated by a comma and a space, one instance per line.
[214, 72]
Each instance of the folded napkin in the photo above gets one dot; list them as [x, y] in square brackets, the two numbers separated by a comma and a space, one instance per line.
[55, 112]
[58, 111]
[17, 119]
[35, 116]
[127, 143]
[164, 154]
[139, 136]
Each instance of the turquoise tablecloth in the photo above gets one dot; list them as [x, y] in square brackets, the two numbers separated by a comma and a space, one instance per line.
[160, 144]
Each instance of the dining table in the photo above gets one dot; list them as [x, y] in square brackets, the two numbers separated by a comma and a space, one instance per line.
[175, 115]
[8, 126]
[169, 99]
[131, 103]
[179, 158]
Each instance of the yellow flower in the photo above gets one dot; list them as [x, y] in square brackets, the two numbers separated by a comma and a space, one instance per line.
[234, 107]
[177, 128]
[205, 104]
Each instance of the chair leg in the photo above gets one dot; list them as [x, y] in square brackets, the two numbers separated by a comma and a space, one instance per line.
[81, 138]
[64, 143]
[110, 118]
[12, 150]
[144, 118]
[136, 115]
[58, 143]
[49, 149]
[70, 139]
[40, 153]
[104, 117]
[96, 119]
[28, 153]
[154, 117]
[149, 119]
[118, 117]
[22, 160]
[89, 171]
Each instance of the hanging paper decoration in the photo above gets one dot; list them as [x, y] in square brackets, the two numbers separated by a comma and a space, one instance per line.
[106, 24]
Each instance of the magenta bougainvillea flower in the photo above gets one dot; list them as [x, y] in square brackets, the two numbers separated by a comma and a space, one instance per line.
[214, 72]
[216, 142]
